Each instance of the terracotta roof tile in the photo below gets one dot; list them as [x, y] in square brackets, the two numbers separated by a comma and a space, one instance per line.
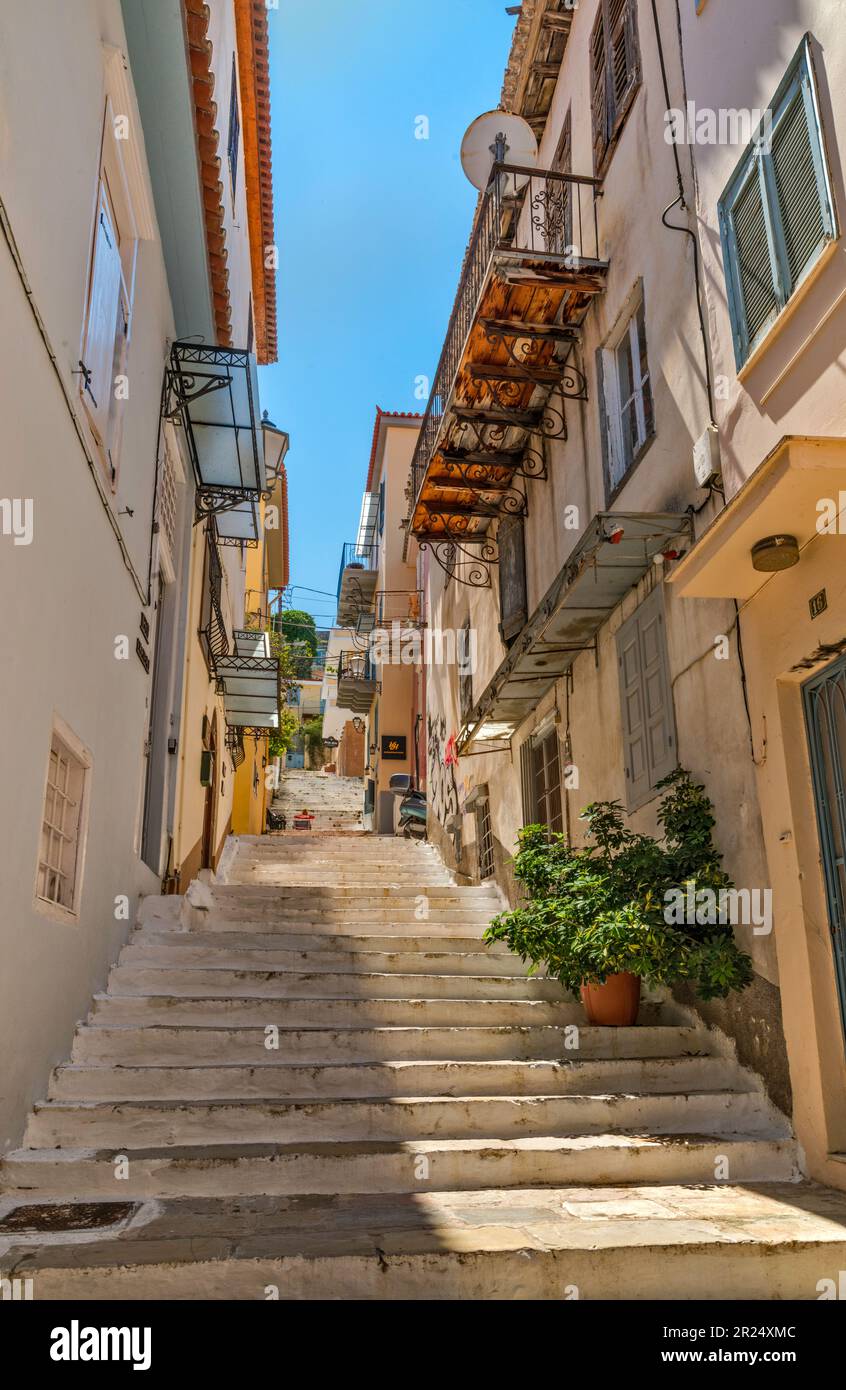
[200, 57]
[254, 79]
[380, 416]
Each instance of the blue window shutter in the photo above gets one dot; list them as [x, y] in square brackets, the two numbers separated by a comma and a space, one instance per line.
[796, 176]
[777, 213]
[752, 260]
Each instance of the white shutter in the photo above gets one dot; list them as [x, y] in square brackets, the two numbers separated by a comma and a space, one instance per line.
[632, 714]
[657, 705]
[102, 320]
[649, 741]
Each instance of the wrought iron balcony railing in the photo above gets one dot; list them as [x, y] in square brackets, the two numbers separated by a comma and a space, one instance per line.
[356, 581]
[214, 638]
[355, 666]
[358, 557]
[536, 229]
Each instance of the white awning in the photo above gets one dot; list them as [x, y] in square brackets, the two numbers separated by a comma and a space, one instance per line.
[250, 689]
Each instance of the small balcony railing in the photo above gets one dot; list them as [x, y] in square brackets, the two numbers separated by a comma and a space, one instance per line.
[533, 223]
[357, 683]
[356, 580]
[355, 666]
[358, 557]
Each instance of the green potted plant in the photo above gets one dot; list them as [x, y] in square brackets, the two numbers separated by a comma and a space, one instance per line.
[626, 907]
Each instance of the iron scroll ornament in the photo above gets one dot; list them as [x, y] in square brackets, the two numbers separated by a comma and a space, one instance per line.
[463, 565]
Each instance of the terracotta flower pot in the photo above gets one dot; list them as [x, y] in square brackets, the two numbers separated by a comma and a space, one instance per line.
[614, 1004]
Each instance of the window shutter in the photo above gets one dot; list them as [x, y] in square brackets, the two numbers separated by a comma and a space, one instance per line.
[777, 213]
[631, 708]
[599, 93]
[753, 256]
[649, 740]
[657, 704]
[623, 52]
[527, 783]
[604, 423]
[513, 599]
[465, 673]
[794, 167]
[101, 327]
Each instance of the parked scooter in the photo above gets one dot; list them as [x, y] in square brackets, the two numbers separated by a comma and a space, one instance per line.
[412, 811]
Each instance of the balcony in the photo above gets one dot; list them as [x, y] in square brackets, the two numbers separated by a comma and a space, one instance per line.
[614, 552]
[531, 273]
[357, 581]
[357, 682]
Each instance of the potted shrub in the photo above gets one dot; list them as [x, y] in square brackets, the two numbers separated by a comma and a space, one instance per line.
[604, 916]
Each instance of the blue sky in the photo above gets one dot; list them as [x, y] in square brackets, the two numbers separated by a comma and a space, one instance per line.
[371, 225]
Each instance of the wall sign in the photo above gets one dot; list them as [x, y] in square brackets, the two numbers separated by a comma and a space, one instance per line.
[393, 747]
[818, 604]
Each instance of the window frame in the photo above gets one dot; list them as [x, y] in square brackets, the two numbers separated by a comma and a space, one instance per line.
[542, 743]
[114, 196]
[630, 330]
[63, 735]
[798, 82]
[614, 115]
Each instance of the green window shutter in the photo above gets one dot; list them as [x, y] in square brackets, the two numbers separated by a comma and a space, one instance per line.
[754, 259]
[777, 214]
[795, 165]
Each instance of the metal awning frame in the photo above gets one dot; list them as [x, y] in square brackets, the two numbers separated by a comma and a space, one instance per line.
[194, 372]
[657, 530]
[241, 668]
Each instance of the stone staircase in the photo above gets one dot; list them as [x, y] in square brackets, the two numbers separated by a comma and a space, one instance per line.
[323, 1085]
[337, 803]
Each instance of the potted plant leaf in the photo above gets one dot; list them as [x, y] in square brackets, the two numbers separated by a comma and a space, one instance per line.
[602, 917]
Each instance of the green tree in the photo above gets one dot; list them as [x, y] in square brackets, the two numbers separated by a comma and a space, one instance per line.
[294, 626]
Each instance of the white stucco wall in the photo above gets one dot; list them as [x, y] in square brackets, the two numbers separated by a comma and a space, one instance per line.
[69, 594]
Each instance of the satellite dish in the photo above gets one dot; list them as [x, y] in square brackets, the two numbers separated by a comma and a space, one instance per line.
[498, 132]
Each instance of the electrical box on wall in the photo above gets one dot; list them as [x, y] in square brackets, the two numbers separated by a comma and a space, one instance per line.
[706, 457]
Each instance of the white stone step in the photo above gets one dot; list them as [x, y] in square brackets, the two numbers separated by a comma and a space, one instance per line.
[318, 1083]
[327, 1013]
[304, 1080]
[181, 951]
[136, 1124]
[169, 937]
[332, 895]
[163, 1045]
[376, 923]
[771, 1244]
[218, 981]
[417, 1166]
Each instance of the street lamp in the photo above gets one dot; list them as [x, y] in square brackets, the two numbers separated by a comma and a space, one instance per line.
[358, 724]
